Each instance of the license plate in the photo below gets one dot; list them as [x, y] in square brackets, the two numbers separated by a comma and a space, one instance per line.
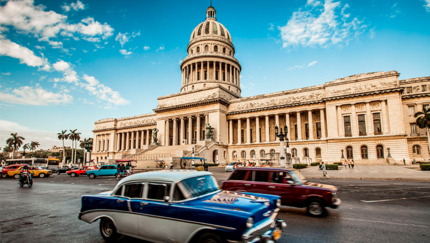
[277, 234]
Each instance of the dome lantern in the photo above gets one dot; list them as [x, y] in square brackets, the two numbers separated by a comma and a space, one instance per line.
[211, 13]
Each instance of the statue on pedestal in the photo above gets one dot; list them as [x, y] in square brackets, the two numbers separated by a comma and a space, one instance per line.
[209, 132]
[154, 136]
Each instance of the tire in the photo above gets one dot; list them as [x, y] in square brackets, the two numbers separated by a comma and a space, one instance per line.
[316, 208]
[41, 175]
[30, 184]
[92, 176]
[4, 175]
[210, 238]
[118, 176]
[16, 176]
[73, 174]
[108, 230]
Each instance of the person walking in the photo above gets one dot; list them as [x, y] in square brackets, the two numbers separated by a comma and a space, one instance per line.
[344, 163]
[349, 164]
[324, 171]
[352, 164]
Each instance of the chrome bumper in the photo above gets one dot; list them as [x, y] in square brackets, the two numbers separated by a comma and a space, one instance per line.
[265, 231]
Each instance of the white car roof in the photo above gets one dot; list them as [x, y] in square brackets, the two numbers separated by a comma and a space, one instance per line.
[165, 175]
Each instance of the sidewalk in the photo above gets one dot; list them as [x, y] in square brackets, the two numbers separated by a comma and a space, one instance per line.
[372, 172]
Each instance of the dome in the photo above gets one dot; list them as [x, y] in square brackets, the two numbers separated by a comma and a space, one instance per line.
[210, 28]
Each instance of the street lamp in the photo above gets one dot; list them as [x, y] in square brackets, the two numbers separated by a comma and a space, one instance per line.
[283, 137]
[89, 147]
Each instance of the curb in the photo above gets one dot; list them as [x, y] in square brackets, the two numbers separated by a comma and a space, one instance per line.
[372, 178]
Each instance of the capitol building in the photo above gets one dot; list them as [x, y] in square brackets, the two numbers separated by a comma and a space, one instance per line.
[366, 117]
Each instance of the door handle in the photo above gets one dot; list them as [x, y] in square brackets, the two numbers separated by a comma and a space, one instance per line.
[272, 186]
[143, 203]
[119, 200]
[247, 184]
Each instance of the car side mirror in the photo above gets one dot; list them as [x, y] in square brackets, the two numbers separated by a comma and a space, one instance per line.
[166, 199]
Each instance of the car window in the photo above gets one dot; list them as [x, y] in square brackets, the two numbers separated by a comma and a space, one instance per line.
[177, 194]
[197, 186]
[103, 168]
[133, 190]
[278, 177]
[238, 175]
[118, 191]
[158, 191]
[262, 176]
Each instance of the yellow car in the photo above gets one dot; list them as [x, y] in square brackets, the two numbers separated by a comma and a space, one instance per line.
[40, 172]
[15, 170]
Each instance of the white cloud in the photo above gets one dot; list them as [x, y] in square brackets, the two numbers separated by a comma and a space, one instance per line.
[40, 47]
[122, 38]
[272, 26]
[25, 55]
[134, 34]
[103, 92]
[34, 96]
[146, 48]
[69, 75]
[295, 67]
[427, 5]
[92, 39]
[320, 24]
[125, 52]
[11, 126]
[7, 74]
[161, 48]
[75, 6]
[312, 63]
[372, 32]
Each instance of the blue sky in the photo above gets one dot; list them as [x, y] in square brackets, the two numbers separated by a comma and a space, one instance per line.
[66, 64]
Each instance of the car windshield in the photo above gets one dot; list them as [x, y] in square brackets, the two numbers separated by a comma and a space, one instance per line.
[198, 186]
[38, 168]
[296, 177]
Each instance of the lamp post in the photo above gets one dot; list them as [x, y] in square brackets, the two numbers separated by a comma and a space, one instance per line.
[282, 137]
[89, 147]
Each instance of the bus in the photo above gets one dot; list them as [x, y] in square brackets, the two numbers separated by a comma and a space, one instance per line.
[52, 163]
[29, 161]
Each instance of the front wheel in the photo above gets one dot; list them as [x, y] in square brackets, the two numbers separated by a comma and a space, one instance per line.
[316, 208]
[42, 175]
[4, 175]
[30, 184]
[118, 176]
[92, 176]
[210, 238]
[73, 174]
[108, 230]
[16, 176]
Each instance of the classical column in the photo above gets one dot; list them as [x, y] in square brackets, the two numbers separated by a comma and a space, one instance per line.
[239, 131]
[267, 129]
[354, 123]
[287, 122]
[198, 128]
[142, 139]
[299, 126]
[207, 70]
[311, 126]
[257, 129]
[340, 122]
[182, 131]
[201, 70]
[384, 117]
[277, 124]
[122, 141]
[147, 137]
[322, 119]
[206, 119]
[230, 123]
[191, 73]
[175, 132]
[132, 140]
[369, 122]
[117, 141]
[248, 130]
[190, 130]
[167, 132]
[229, 73]
[219, 72]
[214, 70]
[127, 144]
[238, 78]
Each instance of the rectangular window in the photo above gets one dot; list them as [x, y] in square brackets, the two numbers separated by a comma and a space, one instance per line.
[296, 134]
[377, 123]
[107, 146]
[307, 131]
[238, 175]
[261, 176]
[424, 88]
[318, 124]
[133, 190]
[414, 129]
[362, 125]
[411, 110]
[242, 137]
[408, 90]
[158, 191]
[347, 125]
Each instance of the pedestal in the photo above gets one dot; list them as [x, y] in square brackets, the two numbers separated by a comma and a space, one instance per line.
[282, 159]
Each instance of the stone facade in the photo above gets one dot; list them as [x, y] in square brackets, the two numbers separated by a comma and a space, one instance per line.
[366, 117]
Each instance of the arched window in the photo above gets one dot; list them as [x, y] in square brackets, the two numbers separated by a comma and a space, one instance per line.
[216, 49]
[252, 154]
[380, 152]
[230, 53]
[416, 149]
[364, 153]
[207, 28]
[294, 153]
[318, 152]
[243, 154]
[215, 156]
[272, 151]
[198, 49]
[222, 30]
[349, 154]
[306, 152]
[223, 50]
[215, 29]
[105, 157]
[262, 153]
[234, 155]
[192, 87]
[200, 30]
[206, 48]
[191, 51]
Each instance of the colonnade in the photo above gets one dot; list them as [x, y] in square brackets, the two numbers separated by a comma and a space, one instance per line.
[127, 140]
[185, 129]
[207, 70]
[102, 144]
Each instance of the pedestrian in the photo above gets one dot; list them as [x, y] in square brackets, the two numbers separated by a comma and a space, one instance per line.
[352, 164]
[344, 162]
[349, 164]
[414, 162]
[324, 171]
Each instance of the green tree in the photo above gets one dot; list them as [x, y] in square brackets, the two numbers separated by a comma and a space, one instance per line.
[34, 145]
[423, 121]
[61, 136]
[72, 136]
[77, 138]
[26, 146]
[15, 141]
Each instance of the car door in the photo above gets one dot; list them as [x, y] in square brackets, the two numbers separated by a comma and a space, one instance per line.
[260, 181]
[281, 185]
[238, 181]
[156, 221]
[103, 171]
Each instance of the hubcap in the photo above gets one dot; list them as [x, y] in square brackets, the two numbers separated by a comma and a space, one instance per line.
[107, 228]
[315, 208]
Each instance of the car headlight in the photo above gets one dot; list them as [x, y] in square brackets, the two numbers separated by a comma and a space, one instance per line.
[278, 203]
[249, 223]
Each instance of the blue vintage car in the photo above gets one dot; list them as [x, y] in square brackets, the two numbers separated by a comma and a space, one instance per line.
[182, 206]
[104, 170]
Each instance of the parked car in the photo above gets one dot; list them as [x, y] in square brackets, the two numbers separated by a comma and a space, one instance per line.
[63, 169]
[289, 184]
[104, 170]
[12, 170]
[81, 171]
[230, 166]
[40, 172]
[182, 206]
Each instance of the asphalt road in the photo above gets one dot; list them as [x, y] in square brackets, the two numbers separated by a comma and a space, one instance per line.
[371, 211]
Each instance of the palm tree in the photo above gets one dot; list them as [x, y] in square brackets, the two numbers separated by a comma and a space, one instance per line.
[34, 145]
[15, 141]
[7, 149]
[77, 138]
[423, 121]
[26, 146]
[82, 145]
[63, 135]
[72, 135]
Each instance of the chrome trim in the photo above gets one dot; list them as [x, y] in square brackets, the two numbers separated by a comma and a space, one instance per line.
[263, 224]
[156, 216]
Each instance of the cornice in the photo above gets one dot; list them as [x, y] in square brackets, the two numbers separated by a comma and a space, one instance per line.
[123, 118]
[195, 91]
[350, 79]
[375, 92]
[415, 80]
[127, 127]
[274, 107]
[215, 82]
[411, 96]
[212, 38]
[198, 103]
[212, 55]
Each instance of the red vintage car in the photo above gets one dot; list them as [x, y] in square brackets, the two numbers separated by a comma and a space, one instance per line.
[293, 188]
[12, 169]
[81, 171]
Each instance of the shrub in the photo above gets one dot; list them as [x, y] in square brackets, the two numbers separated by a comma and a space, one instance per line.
[332, 167]
[315, 163]
[299, 166]
[425, 166]
[338, 163]
[209, 164]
